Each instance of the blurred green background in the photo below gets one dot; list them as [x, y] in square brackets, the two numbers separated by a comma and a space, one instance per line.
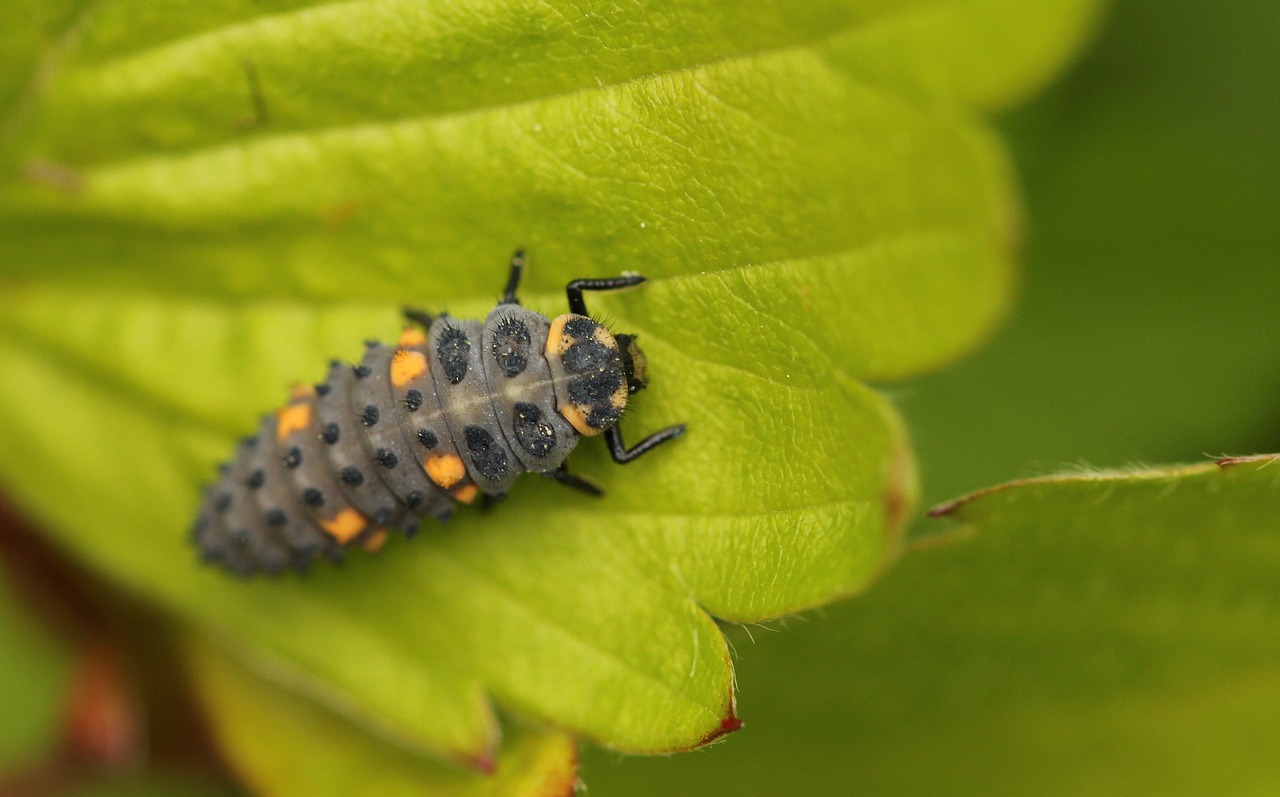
[1148, 331]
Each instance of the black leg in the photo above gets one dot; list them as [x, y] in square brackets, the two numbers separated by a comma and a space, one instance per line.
[563, 476]
[513, 279]
[622, 455]
[574, 289]
[420, 317]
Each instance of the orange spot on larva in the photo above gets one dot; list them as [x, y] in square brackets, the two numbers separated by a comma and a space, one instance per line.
[407, 365]
[299, 392]
[293, 418]
[445, 470]
[466, 493]
[619, 398]
[605, 338]
[412, 336]
[375, 541]
[578, 419]
[345, 525]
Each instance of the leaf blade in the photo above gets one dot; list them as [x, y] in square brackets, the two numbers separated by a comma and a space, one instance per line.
[730, 181]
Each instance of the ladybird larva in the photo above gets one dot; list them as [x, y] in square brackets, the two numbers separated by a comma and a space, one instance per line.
[456, 409]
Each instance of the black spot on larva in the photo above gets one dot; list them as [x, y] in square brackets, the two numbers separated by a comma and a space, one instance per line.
[533, 433]
[385, 458]
[351, 475]
[489, 459]
[292, 458]
[330, 433]
[600, 417]
[594, 388]
[360, 371]
[413, 400]
[312, 497]
[581, 327]
[369, 344]
[413, 500]
[322, 389]
[223, 503]
[454, 350]
[589, 355]
[249, 442]
[370, 415]
[276, 518]
[427, 438]
[256, 479]
[381, 516]
[510, 346]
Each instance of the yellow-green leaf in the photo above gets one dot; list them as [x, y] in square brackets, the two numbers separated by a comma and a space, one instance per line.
[284, 745]
[206, 203]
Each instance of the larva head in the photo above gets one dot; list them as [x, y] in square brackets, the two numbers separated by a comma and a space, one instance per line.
[634, 365]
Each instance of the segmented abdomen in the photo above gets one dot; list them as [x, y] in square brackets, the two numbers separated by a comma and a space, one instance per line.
[442, 417]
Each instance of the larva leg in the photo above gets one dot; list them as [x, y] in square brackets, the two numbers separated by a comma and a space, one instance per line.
[622, 455]
[420, 317]
[563, 476]
[574, 289]
[513, 279]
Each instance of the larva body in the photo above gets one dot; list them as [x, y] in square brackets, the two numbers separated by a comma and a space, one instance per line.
[455, 410]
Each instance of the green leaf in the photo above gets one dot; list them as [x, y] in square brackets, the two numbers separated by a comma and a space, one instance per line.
[284, 745]
[1145, 332]
[1103, 633]
[212, 203]
[33, 670]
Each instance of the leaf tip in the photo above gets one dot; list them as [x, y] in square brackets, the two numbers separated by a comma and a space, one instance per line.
[485, 762]
[901, 490]
[727, 726]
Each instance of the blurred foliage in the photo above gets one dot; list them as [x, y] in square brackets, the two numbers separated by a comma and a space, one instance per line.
[1147, 331]
[151, 785]
[285, 745]
[34, 666]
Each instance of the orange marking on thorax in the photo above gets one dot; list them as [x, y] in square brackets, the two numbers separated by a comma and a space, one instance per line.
[406, 365]
[412, 336]
[293, 418]
[578, 419]
[605, 338]
[619, 398]
[556, 340]
[466, 493]
[345, 525]
[557, 344]
[445, 470]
